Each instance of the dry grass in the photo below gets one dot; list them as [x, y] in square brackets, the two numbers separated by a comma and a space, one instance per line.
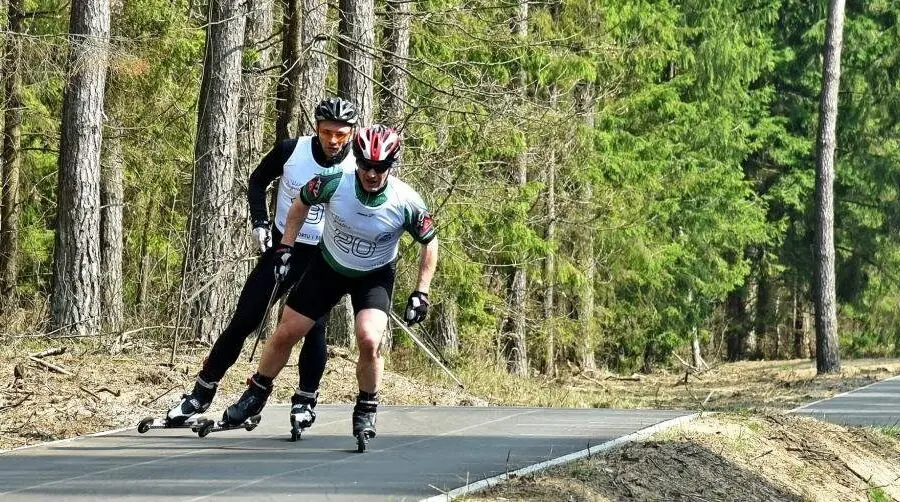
[730, 457]
[726, 387]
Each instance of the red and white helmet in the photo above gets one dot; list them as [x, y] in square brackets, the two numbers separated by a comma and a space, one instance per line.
[377, 144]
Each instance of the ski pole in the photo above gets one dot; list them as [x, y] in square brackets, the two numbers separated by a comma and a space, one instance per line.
[265, 318]
[425, 349]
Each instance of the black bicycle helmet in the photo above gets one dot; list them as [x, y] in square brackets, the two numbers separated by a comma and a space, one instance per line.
[338, 110]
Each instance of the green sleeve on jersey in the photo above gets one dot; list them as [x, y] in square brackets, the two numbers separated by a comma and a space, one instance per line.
[418, 221]
[320, 189]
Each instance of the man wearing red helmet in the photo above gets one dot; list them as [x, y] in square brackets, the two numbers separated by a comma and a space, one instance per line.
[365, 213]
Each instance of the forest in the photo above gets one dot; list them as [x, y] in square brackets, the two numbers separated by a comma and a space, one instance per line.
[615, 183]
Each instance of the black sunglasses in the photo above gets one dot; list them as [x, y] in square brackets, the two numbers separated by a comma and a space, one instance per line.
[379, 167]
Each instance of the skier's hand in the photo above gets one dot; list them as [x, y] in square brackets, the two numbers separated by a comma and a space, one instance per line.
[262, 236]
[282, 260]
[416, 308]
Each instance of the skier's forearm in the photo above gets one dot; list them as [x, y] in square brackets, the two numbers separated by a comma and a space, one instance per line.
[427, 265]
[269, 169]
[295, 218]
[256, 199]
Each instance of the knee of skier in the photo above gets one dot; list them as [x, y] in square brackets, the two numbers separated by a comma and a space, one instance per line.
[369, 341]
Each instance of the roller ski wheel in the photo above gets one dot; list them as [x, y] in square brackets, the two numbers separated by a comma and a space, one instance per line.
[302, 417]
[296, 430]
[144, 425]
[161, 423]
[207, 427]
[362, 440]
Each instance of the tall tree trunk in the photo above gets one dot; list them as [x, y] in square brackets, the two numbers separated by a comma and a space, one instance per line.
[827, 350]
[214, 235]
[315, 33]
[649, 357]
[514, 346]
[112, 195]
[144, 280]
[12, 125]
[394, 69]
[550, 261]
[255, 87]
[587, 337]
[75, 306]
[696, 354]
[550, 270]
[443, 322]
[356, 42]
[738, 324]
[340, 324]
[287, 96]
[763, 313]
[112, 202]
[801, 350]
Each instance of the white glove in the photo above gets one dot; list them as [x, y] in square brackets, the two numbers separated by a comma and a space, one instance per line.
[262, 237]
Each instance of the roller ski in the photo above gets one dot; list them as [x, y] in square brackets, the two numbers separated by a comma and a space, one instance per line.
[303, 412]
[364, 420]
[244, 414]
[187, 413]
[204, 427]
[162, 423]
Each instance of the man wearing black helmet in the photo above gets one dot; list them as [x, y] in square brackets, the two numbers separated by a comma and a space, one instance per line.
[294, 161]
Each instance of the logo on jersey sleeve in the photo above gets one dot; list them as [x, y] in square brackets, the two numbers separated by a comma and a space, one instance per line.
[314, 187]
[426, 223]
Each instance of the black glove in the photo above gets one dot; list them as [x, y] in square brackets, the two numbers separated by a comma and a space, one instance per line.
[282, 260]
[416, 308]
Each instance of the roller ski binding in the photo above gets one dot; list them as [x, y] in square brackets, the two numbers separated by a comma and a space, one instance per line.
[244, 414]
[186, 414]
[303, 412]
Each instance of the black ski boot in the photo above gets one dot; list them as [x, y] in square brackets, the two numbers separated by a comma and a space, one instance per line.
[364, 419]
[303, 412]
[250, 404]
[192, 404]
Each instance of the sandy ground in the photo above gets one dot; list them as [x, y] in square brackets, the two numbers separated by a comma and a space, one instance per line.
[743, 457]
[107, 391]
[113, 387]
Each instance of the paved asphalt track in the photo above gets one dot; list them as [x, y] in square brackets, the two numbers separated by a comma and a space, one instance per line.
[875, 404]
[419, 452]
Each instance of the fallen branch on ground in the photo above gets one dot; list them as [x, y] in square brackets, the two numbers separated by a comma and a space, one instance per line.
[95, 396]
[148, 403]
[51, 366]
[50, 352]
[17, 403]
[632, 378]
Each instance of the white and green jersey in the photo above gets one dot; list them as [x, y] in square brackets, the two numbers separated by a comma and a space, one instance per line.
[300, 167]
[362, 230]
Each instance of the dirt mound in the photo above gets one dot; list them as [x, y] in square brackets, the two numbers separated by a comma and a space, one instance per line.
[731, 457]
